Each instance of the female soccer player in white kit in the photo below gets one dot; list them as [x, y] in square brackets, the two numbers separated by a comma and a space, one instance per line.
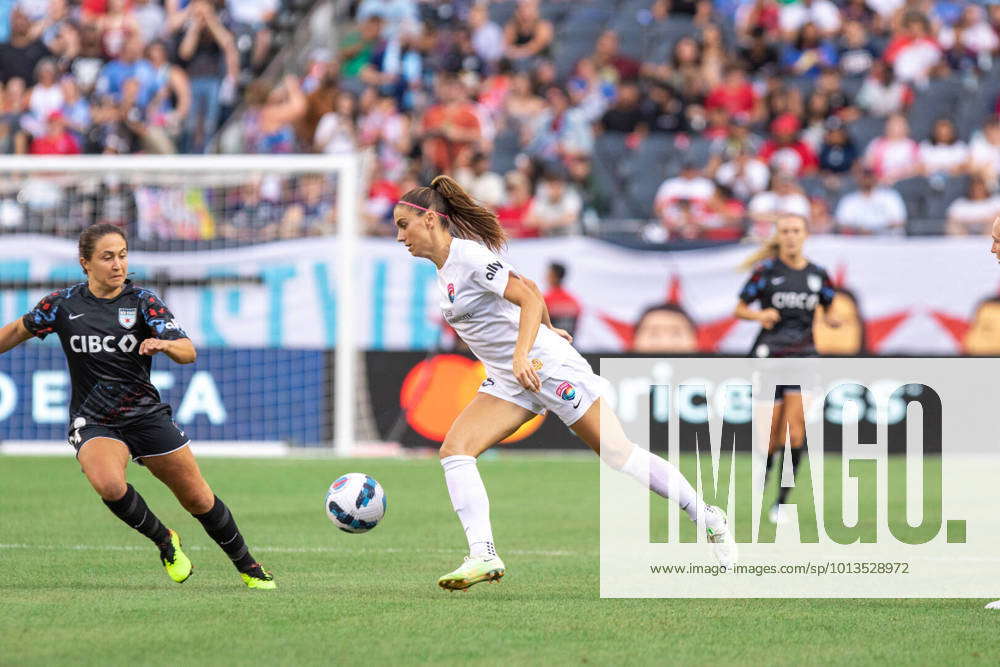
[531, 369]
[995, 249]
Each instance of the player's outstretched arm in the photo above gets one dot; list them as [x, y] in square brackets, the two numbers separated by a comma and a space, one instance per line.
[13, 335]
[180, 350]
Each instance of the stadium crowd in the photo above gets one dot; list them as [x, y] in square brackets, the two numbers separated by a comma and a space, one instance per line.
[693, 119]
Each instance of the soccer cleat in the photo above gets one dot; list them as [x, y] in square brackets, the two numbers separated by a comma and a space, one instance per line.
[474, 569]
[994, 605]
[777, 515]
[258, 577]
[175, 562]
[720, 536]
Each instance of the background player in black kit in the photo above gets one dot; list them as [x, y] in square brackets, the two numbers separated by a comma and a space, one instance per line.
[109, 330]
[790, 289]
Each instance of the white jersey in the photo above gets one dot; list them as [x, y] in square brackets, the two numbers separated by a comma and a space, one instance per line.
[471, 285]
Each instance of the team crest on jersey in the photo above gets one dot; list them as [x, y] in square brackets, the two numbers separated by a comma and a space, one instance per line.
[126, 317]
[451, 292]
[536, 364]
[814, 282]
[566, 391]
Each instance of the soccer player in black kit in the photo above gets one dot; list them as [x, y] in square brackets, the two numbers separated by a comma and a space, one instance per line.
[790, 289]
[109, 330]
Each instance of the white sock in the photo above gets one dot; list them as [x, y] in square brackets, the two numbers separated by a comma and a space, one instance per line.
[468, 497]
[664, 479]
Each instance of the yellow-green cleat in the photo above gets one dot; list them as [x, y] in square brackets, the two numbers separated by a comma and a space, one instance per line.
[175, 561]
[258, 577]
[474, 570]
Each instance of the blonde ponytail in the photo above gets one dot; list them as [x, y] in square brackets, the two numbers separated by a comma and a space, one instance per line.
[767, 250]
[468, 219]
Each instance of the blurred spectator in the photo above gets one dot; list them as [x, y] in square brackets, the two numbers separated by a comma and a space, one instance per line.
[359, 45]
[593, 192]
[564, 309]
[450, 126]
[388, 130]
[785, 151]
[983, 337]
[625, 115]
[267, 125]
[737, 140]
[170, 104]
[522, 104]
[46, 95]
[745, 175]
[872, 209]
[483, 185]
[313, 212]
[487, 36]
[20, 56]
[663, 111]
[130, 65]
[208, 54]
[13, 138]
[838, 153]
[527, 35]
[117, 25]
[913, 52]
[944, 153]
[400, 17]
[336, 131]
[724, 215]
[735, 95]
[86, 67]
[985, 151]
[513, 214]
[254, 218]
[971, 40]
[561, 130]
[975, 212]
[611, 64]
[251, 18]
[665, 329]
[858, 52]
[760, 55]
[56, 140]
[893, 156]
[809, 54]
[681, 202]
[758, 20]
[76, 108]
[849, 337]
[714, 56]
[149, 16]
[556, 207]
[784, 197]
[821, 13]
[881, 94]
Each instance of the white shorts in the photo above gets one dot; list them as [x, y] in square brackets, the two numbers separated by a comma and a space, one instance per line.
[568, 392]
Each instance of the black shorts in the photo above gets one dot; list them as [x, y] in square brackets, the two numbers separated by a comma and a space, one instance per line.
[782, 389]
[153, 435]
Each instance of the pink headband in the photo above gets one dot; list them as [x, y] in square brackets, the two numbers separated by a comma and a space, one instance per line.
[420, 207]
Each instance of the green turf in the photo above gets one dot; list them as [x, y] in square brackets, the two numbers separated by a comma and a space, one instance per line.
[353, 599]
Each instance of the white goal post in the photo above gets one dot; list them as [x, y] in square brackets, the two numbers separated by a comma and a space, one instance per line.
[346, 169]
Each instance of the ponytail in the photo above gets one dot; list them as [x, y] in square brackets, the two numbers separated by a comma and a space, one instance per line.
[767, 250]
[466, 218]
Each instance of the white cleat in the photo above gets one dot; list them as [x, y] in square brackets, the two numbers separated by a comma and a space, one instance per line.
[720, 536]
[994, 605]
[777, 515]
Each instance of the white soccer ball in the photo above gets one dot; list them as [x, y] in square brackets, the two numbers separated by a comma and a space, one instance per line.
[355, 502]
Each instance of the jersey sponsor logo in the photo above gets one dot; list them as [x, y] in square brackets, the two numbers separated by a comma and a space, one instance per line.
[95, 344]
[126, 317]
[73, 317]
[566, 391]
[800, 300]
[492, 268]
[814, 282]
[451, 292]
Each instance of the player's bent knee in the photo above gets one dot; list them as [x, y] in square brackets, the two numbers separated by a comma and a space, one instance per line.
[108, 488]
[456, 446]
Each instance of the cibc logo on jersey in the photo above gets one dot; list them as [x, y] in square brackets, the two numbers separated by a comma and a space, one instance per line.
[95, 344]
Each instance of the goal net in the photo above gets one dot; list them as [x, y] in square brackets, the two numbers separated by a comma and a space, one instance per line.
[254, 255]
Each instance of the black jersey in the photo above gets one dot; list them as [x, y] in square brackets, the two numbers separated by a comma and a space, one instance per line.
[793, 293]
[101, 339]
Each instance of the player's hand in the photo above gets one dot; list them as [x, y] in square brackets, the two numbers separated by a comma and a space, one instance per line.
[562, 333]
[151, 346]
[525, 374]
[769, 317]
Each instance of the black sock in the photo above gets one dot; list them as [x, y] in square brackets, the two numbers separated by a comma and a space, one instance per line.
[783, 490]
[221, 527]
[774, 460]
[132, 509]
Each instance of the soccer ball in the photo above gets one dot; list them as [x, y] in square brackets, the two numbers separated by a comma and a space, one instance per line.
[355, 502]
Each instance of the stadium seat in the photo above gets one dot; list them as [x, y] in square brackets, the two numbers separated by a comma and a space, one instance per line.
[610, 148]
[924, 227]
[938, 100]
[939, 200]
[914, 192]
[813, 186]
[864, 129]
[501, 11]
[851, 86]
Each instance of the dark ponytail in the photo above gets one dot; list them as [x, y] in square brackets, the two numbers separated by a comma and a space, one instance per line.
[467, 219]
[91, 235]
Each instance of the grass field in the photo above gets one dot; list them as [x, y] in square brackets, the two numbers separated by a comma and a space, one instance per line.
[76, 586]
